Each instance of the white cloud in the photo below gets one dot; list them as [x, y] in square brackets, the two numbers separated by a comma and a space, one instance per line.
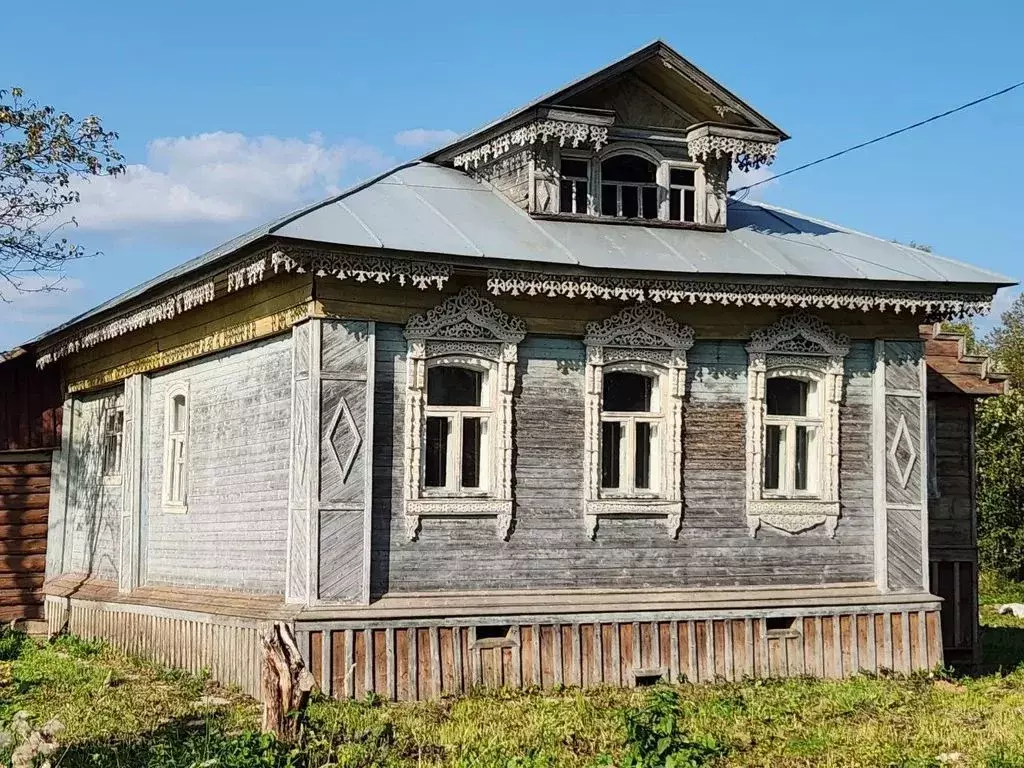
[424, 138]
[221, 178]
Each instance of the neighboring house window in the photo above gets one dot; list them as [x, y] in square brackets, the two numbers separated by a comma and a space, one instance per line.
[176, 441]
[112, 429]
[574, 183]
[795, 383]
[461, 372]
[635, 384]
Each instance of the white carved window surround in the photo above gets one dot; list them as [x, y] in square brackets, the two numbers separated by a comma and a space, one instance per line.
[632, 181]
[795, 389]
[633, 438]
[176, 432]
[458, 452]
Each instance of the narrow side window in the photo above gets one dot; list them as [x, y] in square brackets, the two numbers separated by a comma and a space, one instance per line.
[112, 430]
[176, 461]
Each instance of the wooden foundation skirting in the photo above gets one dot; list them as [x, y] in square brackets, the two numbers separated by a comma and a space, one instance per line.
[407, 660]
[412, 661]
[228, 648]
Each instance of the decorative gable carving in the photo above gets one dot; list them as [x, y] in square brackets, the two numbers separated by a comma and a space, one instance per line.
[464, 329]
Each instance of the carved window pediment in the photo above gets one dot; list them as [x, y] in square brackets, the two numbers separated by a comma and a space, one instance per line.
[469, 333]
[635, 384]
[795, 388]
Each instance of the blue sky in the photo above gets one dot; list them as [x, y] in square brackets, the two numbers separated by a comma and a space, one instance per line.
[231, 113]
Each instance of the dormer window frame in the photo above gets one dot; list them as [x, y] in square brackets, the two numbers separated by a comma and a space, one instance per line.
[663, 180]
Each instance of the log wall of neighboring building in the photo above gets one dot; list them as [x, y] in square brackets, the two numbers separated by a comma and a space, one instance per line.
[30, 427]
[956, 380]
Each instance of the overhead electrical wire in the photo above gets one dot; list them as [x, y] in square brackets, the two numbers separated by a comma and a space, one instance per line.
[840, 153]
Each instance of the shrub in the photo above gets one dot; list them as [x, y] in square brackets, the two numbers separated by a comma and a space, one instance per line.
[12, 642]
[655, 737]
[1000, 459]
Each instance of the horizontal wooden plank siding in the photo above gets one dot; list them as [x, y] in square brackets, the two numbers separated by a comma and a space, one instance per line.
[229, 648]
[30, 406]
[550, 546]
[233, 534]
[426, 660]
[24, 501]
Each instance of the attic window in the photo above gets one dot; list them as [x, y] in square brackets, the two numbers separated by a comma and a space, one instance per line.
[629, 187]
[574, 179]
[682, 194]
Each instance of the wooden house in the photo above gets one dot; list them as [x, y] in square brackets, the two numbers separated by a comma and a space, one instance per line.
[546, 406]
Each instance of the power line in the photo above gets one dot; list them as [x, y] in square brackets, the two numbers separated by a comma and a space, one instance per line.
[889, 135]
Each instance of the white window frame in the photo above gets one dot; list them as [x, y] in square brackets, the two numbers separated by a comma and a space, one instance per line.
[171, 439]
[627, 450]
[640, 339]
[663, 176]
[799, 345]
[467, 330]
[456, 414]
[113, 403]
[788, 489]
[588, 208]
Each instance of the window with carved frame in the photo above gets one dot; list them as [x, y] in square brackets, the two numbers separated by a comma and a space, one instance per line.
[795, 381]
[574, 184]
[176, 430]
[461, 369]
[635, 384]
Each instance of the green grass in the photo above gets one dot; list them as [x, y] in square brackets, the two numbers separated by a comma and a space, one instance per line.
[119, 711]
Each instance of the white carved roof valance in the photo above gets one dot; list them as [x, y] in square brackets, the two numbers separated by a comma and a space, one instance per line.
[567, 133]
[748, 149]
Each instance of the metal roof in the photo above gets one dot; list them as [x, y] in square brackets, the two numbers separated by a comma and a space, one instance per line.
[428, 208]
[424, 208]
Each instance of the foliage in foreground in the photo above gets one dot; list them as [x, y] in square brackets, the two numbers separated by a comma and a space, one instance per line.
[120, 711]
[1000, 457]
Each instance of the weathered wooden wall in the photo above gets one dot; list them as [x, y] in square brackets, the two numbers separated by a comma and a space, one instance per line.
[233, 534]
[425, 660]
[550, 548]
[30, 406]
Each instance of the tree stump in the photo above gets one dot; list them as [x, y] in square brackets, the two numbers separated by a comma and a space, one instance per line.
[286, 683]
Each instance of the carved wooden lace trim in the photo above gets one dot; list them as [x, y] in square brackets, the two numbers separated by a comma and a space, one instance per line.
[565, 132]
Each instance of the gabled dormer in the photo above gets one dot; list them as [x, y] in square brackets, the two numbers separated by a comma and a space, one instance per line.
[649, 139]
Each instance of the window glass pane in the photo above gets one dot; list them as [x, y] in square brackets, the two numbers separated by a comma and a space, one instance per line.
[650, 203]
[178, 413]
[581, 197]
[626, 391]
[688, 207]
[448, 385]
[673, 204]
[574, 168]
[682, 177]
[565, 196]
[628, 168]
[611, 442]
[472, 449]
[630, 202]
[774, 447]
[609, 204]
[787, 397]
[802, 453]
[436, 475]
[644, 450]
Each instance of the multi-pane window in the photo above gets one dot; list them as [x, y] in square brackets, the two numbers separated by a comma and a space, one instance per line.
[631, 425]
[458, 413]
[682, 194]
[176, 470]
[574, 179]
[629, 187]
[792, 429]
[112, 438]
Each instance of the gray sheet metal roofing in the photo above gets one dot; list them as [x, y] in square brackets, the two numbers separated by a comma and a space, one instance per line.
[422, 208]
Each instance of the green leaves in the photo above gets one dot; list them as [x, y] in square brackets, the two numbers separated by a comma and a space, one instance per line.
[656, 738]
[1000, 463]
[42, 153]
